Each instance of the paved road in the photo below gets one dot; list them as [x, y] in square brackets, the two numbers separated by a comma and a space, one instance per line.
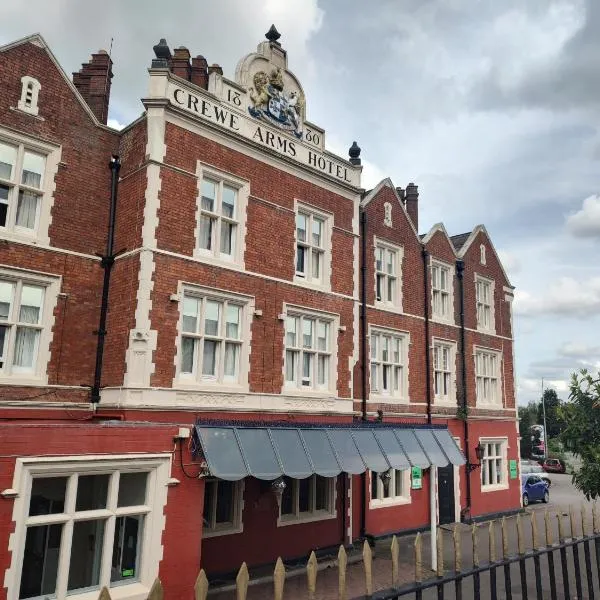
[562, 495]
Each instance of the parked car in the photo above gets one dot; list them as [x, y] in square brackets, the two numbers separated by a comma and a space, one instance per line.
[534, 489]
[530, 467]
[554, 465]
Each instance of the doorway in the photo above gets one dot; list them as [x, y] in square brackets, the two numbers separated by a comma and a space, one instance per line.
[446, 494]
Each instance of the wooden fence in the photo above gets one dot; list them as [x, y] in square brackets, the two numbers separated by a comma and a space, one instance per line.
[423, 579]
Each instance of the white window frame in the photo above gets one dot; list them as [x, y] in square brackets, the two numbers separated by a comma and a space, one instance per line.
[392, 499]
[503, 457]
[52, 155]
[51, 284]
[311, 515]
[482, 254]
[30, 91]
[196, 380]
[486, 377]
[379, 394]
[450, 347]
[333, 320]
[483, 308]
[212, 529]
[438, 293]
[396, 302]
[306, 278]
[242, 187]
[158, 468]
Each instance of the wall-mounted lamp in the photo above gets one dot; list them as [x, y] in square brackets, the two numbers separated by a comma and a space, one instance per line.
[278, 487]
[479, 454]
[386, 477]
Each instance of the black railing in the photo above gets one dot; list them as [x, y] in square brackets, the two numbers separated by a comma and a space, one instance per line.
[532, 574]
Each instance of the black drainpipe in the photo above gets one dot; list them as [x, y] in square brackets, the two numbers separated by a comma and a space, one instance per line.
[363, 346]
[425, 256]
[460, 267]
[107, 261]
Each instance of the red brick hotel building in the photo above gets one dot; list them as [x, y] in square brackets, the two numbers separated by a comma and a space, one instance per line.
[212, 338]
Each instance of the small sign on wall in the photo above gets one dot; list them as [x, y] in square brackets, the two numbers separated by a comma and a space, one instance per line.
[512, 467]
[416, 478]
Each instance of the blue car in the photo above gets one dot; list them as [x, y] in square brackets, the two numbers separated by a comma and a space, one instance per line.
[534, 489]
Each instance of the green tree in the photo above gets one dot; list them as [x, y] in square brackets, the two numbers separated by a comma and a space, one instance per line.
[582, 430]
[554, 420]
[527, 418]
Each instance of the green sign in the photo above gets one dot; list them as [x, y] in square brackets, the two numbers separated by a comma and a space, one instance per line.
[512, 466]
[127, 573]
[416, 476]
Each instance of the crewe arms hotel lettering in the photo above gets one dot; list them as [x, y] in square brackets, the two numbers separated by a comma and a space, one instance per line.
[208, 110]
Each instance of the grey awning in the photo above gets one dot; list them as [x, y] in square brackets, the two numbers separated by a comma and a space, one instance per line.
[234, 452]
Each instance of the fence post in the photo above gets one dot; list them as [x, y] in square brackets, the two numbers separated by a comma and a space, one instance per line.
[156, 591]
[241, 582]
[457, 550]
[536, 556]
[505, 555]
[550, 555]
[418, 558]
[563, 556]
[104, 594]
[311, 575]
[440, 552]
[201, 586]
[395, 550]
[342, 564]
[278, 579]
[475, 540]
[575, 549]
[572, 522]
[368, 563]
[492, 540]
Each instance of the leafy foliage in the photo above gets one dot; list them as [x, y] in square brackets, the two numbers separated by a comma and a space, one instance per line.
[582, 431]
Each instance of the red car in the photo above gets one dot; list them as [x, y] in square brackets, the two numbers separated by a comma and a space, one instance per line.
[554, 465]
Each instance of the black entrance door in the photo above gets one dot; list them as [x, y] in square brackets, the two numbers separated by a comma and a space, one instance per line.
[446, 494]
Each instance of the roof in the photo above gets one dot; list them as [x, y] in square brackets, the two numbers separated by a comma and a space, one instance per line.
[459, 240]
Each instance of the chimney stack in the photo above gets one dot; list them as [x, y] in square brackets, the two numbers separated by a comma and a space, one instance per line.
[180, 63]
[93, 82]
[200, 72]
[411, 201]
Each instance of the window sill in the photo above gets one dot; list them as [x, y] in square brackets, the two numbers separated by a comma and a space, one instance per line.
[497, 487]
[219, 532]
[488, 330]
[320, 287]
[313, 517]
[383, 399]
[390, 307]
[445, 402]
[390, 502]
[489, 406]
[208, 386]
[23, 379]
[211, 259]
[19, 236]
[442, 320]
[311, 393]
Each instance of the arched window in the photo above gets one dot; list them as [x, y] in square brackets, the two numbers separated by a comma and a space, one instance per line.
[30, 91]
[482, 254]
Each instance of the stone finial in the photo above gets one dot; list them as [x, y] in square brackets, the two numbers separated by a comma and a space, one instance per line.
[273, 35]
[354, 153]
[162, 53]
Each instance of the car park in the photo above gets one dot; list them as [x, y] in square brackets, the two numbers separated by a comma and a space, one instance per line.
[530, 467]
[534, 489]
[554, 465]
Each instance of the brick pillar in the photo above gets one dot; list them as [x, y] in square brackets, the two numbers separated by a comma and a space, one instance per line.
[200, 72]
[180, 63]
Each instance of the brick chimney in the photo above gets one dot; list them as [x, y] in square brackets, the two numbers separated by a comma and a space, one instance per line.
[93, 82]
[200, 72]
[180, 63]
[411, 201]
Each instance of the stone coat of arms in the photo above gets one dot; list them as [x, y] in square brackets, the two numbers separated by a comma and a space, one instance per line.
[271, 102]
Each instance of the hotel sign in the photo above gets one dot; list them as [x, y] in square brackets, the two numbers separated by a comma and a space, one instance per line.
[256, 130]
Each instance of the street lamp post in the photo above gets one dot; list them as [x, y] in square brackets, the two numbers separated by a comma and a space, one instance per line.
[545, 429]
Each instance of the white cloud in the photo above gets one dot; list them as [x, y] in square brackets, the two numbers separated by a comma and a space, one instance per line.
[578, 350]
[586, 222]
[510, 262]
[114, 123]
[567, 297]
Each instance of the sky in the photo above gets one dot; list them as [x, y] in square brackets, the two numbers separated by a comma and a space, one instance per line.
[491, 108]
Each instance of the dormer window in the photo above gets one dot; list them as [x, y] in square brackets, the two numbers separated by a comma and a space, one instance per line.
[30, 90]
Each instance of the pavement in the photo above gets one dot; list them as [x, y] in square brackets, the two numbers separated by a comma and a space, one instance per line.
[562, 496]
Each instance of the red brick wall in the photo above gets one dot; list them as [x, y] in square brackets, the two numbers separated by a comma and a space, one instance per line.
[83, 179]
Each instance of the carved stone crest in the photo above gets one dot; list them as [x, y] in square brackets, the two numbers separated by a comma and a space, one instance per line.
[387, 218]
[271, 102]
